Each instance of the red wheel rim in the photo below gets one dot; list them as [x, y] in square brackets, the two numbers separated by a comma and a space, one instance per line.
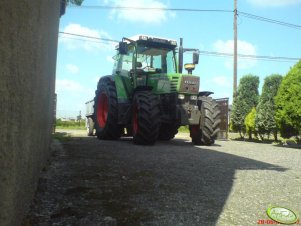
[135, 120]
[102, 110]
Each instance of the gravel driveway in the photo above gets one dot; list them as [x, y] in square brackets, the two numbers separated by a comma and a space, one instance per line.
[93, 182]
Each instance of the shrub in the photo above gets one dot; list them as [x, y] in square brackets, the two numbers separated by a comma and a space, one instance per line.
[250, 123]
[288, 103]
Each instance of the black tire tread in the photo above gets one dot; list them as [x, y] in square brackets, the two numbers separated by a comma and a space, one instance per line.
[112, 130]
[209, 123]
[148, 118]
[168, 131]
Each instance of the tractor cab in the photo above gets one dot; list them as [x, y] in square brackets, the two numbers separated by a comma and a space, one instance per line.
[151, 62]
[142, 58]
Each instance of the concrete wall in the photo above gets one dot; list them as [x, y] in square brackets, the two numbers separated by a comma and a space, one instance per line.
[28, 46]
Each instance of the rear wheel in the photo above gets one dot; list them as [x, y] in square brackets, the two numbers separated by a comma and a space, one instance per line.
[145, 118]
[90, 127]
[168, 131]
[106, 111]
[206, 132]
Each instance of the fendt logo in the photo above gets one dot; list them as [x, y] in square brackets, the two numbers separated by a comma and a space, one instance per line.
[189, 82]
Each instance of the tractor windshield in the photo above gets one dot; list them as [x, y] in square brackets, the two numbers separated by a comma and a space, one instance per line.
[156, 59]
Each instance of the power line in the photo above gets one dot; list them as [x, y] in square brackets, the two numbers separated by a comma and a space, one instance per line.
[91, 37]
[264, 19]
[151, 8]
[247, 15]
[210, 53]
[254, 57]
[85, 40]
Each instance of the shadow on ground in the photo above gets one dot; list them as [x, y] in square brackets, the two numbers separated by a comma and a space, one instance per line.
[266, 141]
[93, 182]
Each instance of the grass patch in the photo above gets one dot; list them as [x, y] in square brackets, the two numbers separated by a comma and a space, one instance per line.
[183, 129]
[78, 125]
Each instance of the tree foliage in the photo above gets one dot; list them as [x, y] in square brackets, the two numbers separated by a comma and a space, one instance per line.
[288, 103]
[250, 122]
[265, 117]
[245, 100]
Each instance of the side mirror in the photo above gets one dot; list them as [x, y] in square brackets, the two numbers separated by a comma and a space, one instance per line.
[123, 48]
[195, 57]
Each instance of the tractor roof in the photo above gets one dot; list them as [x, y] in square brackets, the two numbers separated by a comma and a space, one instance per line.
[144, 38]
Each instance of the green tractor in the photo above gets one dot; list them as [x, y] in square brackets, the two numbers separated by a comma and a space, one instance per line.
[148, 96]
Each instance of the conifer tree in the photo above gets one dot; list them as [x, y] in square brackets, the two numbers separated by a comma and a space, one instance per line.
[265, 113]
[245, 100]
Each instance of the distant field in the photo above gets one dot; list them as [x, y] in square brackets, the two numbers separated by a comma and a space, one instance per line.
[82, 127]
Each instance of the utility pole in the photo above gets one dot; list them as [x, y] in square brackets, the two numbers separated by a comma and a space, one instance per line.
[235, 51]
[79, 117]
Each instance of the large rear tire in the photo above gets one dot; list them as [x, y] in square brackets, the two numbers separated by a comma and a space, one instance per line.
[106, 111]
[168, 131]
[145, 118]
[205, 133]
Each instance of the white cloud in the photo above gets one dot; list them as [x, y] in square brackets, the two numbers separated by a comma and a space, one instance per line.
[79, 42]
[143, 16]
[110, 59]
[274, 3]
[73, 69]
[66, 85]
[243, 47]
[96, 78]
[222, 81]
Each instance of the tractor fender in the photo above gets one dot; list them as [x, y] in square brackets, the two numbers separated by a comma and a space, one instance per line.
[105, 78]
[205, 93]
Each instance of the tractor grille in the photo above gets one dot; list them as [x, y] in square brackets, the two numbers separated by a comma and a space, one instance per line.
[174, 84]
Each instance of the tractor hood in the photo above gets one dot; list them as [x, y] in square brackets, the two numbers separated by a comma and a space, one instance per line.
[174, 83]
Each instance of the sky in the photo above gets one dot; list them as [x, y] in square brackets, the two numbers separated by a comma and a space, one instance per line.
[80, 63]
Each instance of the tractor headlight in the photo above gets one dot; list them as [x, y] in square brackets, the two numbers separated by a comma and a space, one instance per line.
[193, 97]
[181, 96]
[143, 37]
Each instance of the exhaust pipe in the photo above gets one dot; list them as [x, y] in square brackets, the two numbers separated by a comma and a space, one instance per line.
[181, 56]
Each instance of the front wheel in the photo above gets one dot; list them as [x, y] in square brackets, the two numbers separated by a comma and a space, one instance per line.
[145, 118]
[106, 111]
[168, 131]
[206, 132]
